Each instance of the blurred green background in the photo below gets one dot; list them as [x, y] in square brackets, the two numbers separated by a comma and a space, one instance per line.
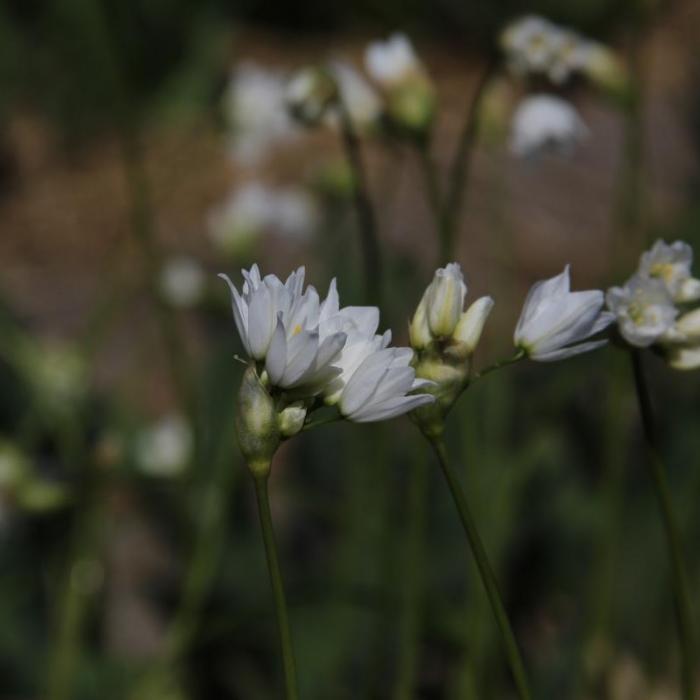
[131, 563]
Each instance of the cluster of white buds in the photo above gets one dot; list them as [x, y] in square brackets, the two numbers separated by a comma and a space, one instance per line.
[307, 353]
[535, 46]
[651, 308]
[445, 337]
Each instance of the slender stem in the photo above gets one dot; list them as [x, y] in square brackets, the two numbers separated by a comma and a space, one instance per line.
[488, 578]
[684, 617]
[277, 588]
[432, 188]
[520, 355]
[79, 588]
[142, 224]
[460, 168]
[412, 574]
[363, 205]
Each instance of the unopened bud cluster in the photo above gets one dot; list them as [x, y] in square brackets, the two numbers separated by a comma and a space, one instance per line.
[445, 337]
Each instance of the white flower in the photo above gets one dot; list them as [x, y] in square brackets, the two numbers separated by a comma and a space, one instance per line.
[182, 282]
[359, 98]
[280, 324]
[392, 61]
[544, 122]
[672, 264]
[555, 320]
[644, 310]
[164, 449]
[256, 111]
[527, 44]
[378, 388]
[254, 209]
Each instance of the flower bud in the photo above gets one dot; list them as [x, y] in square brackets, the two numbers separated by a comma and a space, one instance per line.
[604, 70]
[445, 299]
[291, 419]
[411, 105]
[418, 330]
[684, 357]
[256, 424]
[310, 92]
[689, 290]
[689, 325]
[468, 331]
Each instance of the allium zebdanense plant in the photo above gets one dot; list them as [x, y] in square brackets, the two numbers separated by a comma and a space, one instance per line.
[306, 353]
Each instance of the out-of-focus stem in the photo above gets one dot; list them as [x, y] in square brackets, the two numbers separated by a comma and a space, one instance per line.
[412, 578]
[263, 498]
[488, 578]
[367, 220]
[432, 189]
[82, 577]
[460, 168]
[679, 578]
[142, 225]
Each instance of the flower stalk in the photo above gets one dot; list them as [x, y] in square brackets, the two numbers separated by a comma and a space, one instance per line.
[363, 205]
[679, 577]
[261, 492]
[488, 578]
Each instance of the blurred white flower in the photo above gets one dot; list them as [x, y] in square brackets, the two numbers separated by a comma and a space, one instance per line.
[543, 122]
[644, 310]
[256, 111]
[534, 45]
[359, 98]
[526, 43]
[378, 388]
[392, 61]
[254, 208]
[182, 282]
[310, 92]
[554, 321]
[164, 449]
[672, 264]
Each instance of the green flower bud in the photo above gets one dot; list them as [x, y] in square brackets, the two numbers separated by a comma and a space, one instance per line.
[256, 424]
[410, 105]
[468, 331]
[291, 419]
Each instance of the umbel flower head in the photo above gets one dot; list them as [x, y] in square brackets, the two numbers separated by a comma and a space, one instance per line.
[444, 337]
[555, 321]
[307, 353]
[534, 45]
[648, 307]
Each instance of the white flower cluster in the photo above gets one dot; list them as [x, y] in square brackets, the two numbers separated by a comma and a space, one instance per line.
[307, 349]
[255, 109]
[648, 307]
[534, 45]
[255, 208]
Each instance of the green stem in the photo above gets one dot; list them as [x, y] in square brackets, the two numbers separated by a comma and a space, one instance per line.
[520, 355]
[460, 169]
[488, 578]
[263, 498]
[684, 618]
[432, 188]
[369, 236]
[412, 577]
[79, 588]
